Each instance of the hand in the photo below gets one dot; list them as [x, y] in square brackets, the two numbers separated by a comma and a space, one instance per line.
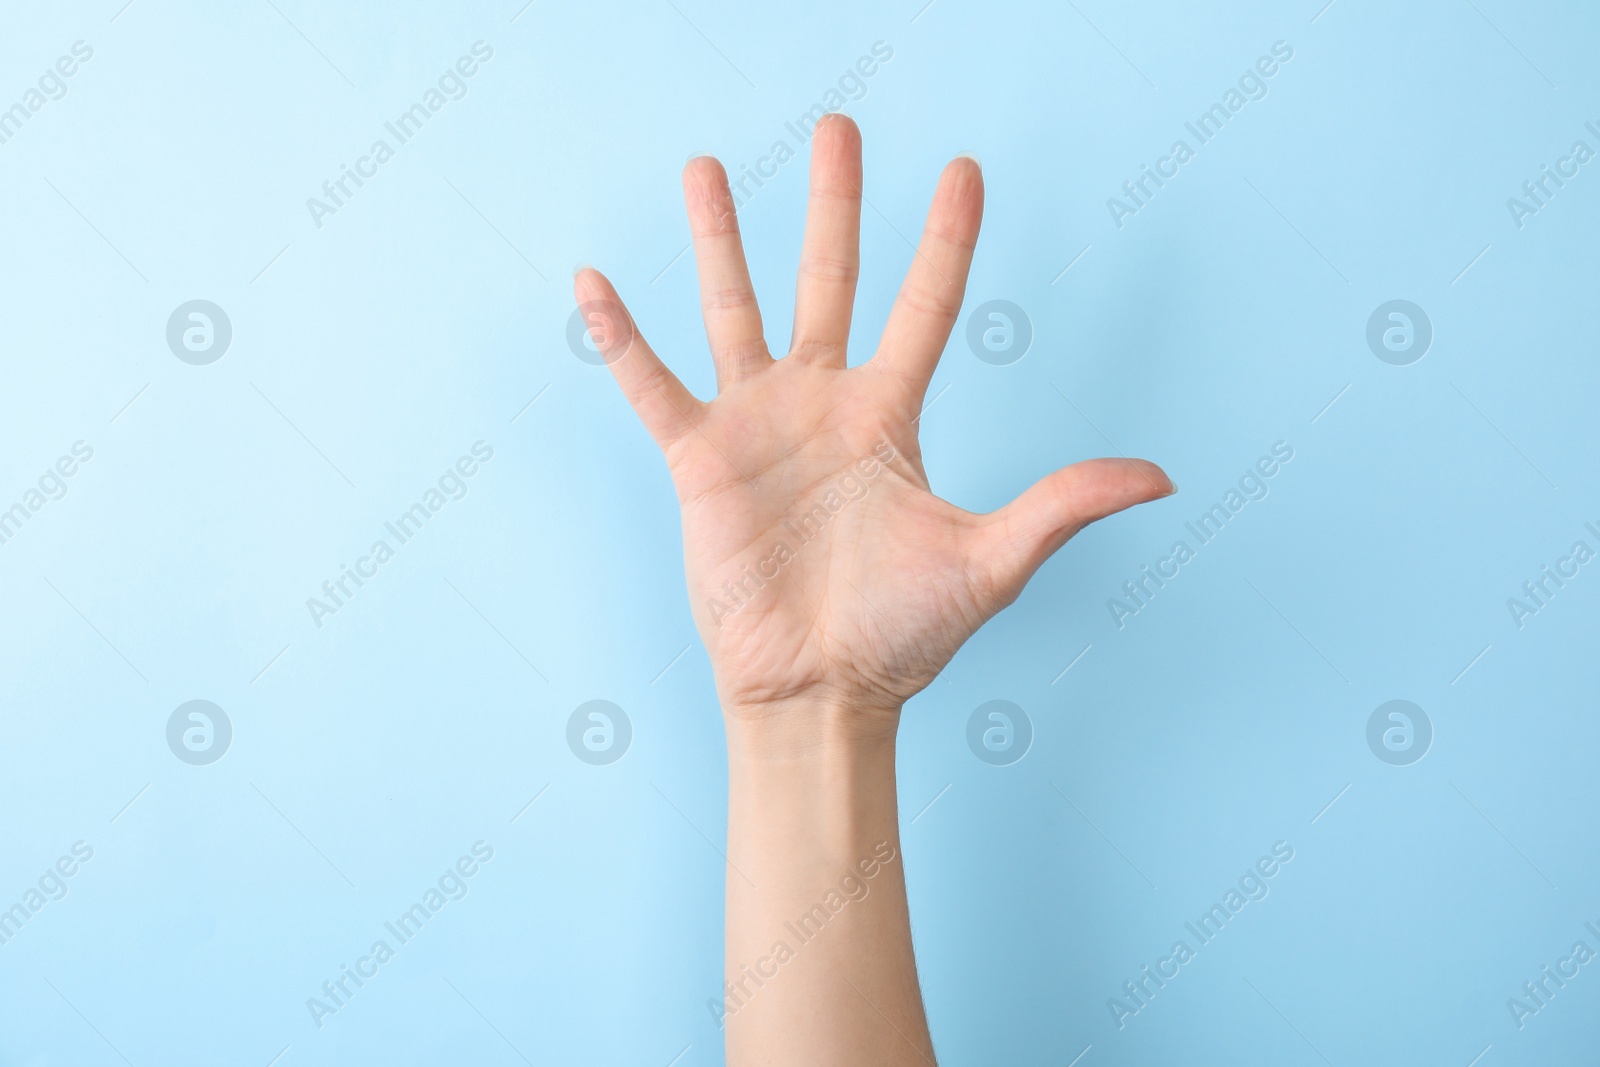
[821, 569]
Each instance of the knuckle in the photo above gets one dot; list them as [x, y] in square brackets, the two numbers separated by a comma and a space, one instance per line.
[830, 268]
[961, 239]
[727, 298]
[742, 353]
[937, 301]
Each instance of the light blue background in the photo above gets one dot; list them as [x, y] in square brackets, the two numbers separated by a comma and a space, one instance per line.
[426, 314]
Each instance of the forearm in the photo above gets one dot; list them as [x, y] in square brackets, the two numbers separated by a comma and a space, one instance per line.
[819, 963]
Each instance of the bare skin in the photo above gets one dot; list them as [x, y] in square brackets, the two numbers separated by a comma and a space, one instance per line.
[829, 585]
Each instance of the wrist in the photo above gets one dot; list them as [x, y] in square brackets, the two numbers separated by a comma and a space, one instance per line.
[809, 786]
[809, 727]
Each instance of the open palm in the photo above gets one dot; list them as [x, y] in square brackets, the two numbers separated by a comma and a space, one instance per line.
[820, 565]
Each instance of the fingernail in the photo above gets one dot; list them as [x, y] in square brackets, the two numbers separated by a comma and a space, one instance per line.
[580, 268]
[972, 156]
[1174, 488]
[694, 156]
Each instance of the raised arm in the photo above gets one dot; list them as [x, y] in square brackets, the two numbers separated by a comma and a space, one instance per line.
[829, 585]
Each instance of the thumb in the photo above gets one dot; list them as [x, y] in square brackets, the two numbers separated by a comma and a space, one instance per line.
[1015, 541]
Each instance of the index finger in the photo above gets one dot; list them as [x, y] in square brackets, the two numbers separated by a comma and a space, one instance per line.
[667, 409]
